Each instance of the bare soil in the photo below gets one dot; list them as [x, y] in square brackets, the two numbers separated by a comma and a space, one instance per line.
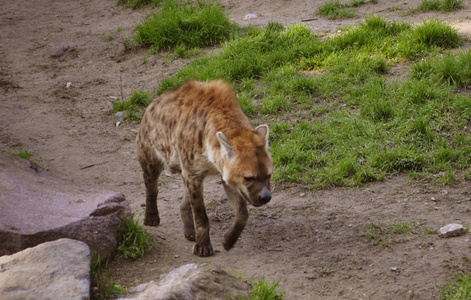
[311, 241]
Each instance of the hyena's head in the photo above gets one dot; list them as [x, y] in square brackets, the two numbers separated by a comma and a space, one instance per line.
[247, 165]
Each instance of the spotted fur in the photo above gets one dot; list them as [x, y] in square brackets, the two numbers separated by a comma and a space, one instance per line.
[198, 130]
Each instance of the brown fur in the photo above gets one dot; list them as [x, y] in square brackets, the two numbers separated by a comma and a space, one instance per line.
[197, 130]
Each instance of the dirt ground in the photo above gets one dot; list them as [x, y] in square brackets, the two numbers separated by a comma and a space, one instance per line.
[311, 241]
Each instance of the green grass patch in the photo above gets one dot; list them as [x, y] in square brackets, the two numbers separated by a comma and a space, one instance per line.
[134, 106]
[334, 10]
[393, 233]
[336, 116]
[262, 290]
[103, 287]
[25, 154]
[185, 24]
[438, 5]
[135, 240]
[458, 290]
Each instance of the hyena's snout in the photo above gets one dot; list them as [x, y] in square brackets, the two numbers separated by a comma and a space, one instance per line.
[264, 196]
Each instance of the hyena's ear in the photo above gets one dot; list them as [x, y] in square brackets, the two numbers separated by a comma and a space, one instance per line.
[226, 148]
[263, 130]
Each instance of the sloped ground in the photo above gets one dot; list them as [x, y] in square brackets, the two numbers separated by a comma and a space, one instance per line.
[313, 242]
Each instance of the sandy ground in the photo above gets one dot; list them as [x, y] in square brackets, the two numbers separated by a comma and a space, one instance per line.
[312, 241]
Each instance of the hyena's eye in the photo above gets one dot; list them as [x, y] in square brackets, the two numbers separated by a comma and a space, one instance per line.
[249, 179]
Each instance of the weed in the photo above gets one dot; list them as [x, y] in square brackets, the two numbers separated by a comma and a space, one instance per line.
[392, 233]
[334, 10]
[262, 290]
[133, 106]
[109, 38]
[438, 5]
[25, 154]
[458, 290]
[184, 23]
[103, 286]
[136, 240]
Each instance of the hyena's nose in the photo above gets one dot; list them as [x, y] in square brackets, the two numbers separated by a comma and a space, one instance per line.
[265, 196]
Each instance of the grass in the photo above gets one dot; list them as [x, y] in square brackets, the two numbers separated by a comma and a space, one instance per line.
[135, 241]
[103, 286]
[262, 290]
[25, 154]
[334, 10]
[336, 116]
[458, 290]
[134, 106]
[394, 232]
[184, 24]
[438, 5]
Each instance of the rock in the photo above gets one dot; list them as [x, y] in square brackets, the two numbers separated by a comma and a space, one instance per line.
[36, 207]
[53, 270]
[193, 282]
[60, 50]
[250, 16]
[451, 230]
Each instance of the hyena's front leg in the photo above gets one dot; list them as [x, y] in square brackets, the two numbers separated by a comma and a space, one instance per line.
[187, 218]
[194, 192]
[241, 216]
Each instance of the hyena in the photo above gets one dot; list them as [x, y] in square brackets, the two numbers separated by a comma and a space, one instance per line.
[198, 130]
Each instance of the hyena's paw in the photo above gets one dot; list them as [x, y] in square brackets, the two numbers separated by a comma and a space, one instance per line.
[152, 219]
[229, 241]
[190, 234]
[203, 251]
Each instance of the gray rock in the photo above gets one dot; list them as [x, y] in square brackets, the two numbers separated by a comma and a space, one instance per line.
[36, 207]
[193, 282]
[451, 230]
[60, 50]
[53, 270]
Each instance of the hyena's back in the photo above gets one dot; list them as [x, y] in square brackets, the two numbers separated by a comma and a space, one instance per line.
[175, 125]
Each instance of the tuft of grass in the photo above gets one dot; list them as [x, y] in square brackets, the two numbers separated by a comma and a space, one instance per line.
[103, 286]
[394, 232]
[458, 290]
[25, 154]
[438, 5]
[262, 290]
[134, 106]
[136, 240]
[185, 24]
[334, 10]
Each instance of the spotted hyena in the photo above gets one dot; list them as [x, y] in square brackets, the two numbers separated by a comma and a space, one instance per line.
[197, 130]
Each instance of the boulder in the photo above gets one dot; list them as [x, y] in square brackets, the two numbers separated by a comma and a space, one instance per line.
[36, 207]
[53, 270]
[193, 282]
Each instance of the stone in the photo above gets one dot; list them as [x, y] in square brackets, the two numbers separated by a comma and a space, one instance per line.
[36, 207]
[451, 230]
[60, 50]
[53, 270]
[192, 282]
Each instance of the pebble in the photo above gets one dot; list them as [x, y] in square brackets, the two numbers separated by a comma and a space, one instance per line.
[68, 85]
[118, 123]
[175, 186]
[119, 114]
[466, 240]
[451, 230]
[60, 50]
[250, 16]
[395, 269]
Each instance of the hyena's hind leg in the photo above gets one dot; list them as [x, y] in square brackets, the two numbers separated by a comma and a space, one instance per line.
[152, 167]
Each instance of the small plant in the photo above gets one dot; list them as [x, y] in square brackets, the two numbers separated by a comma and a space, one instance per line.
[136, 240]
[109, 38]
[438, 5]
[262, 290]
[25, 154]
[334, 10]
[185, 24]
[103, 287]
[138, 3]
[458, 290]
[134, 106]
